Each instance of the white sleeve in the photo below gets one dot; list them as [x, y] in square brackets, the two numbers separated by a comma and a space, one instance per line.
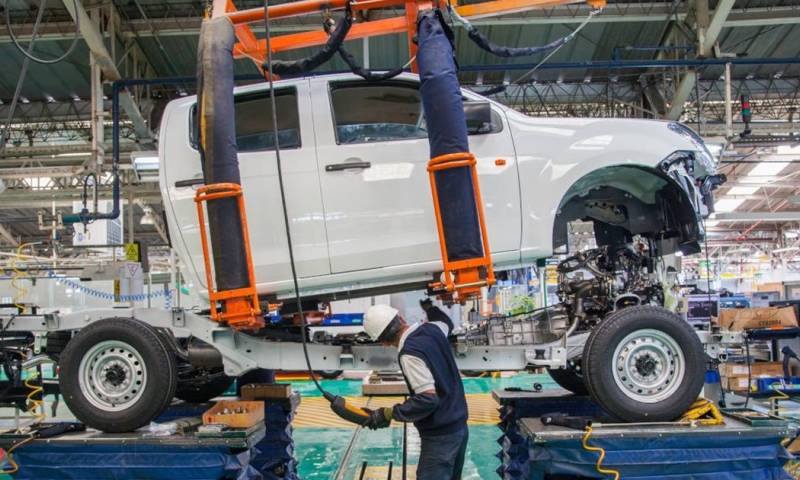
[417, 373]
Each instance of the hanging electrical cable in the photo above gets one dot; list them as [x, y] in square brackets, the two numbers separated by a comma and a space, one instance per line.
[28, 53]
[502, 51]
[307, 64]
[338, 404]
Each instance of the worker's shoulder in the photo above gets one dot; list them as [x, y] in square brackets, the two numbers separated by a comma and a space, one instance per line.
[431, 328]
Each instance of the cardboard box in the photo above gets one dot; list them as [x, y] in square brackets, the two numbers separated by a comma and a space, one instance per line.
[251, 414]
[738, 319]
[757, 369]
[266, 391]
[736, 384]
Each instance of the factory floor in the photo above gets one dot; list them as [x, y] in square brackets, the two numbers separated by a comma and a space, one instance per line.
[322, 439]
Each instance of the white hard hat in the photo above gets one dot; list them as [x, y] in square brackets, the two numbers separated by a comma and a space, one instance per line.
[377, 318]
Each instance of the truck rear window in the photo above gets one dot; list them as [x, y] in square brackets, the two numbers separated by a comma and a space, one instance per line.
[254, 128]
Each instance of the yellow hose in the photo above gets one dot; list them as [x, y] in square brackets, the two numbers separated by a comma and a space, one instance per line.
[601, 451]
[36, 405]
[17, 276]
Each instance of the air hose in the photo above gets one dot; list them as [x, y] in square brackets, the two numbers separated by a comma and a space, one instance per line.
[339, 404]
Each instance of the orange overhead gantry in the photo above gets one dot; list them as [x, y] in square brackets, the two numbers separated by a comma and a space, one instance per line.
[249, 46]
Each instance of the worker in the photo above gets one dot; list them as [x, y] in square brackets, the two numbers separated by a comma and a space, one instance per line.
[436, 404]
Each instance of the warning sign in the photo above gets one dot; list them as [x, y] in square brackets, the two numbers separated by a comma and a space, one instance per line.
[132, 252]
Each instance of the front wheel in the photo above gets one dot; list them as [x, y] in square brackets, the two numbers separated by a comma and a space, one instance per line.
[644, 364]
[116, 375]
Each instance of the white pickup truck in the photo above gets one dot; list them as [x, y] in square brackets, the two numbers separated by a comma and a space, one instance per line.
[354, 158]
[358, 194]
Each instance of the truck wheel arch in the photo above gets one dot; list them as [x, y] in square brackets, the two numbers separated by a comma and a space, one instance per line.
[625, 200]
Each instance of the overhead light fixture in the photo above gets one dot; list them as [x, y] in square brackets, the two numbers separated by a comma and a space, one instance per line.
[742, 190]
[768, 168]
[145, 161]
[788, 150]
[725, 205]
[740, 250]
[148, 218]
[785, 249]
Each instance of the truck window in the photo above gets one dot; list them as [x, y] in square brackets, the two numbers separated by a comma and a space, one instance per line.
[254, 130]
[365, 113]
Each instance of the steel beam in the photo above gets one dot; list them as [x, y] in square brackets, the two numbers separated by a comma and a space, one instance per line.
[95, 41]
[5, 234]
[613, 13]
[23, 198]
[707, 39]
[758, 216]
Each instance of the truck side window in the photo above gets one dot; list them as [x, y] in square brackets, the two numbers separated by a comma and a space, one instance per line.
[365, 113]
[254, 129]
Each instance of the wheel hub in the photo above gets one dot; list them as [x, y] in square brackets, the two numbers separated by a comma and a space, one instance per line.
[115, 375]
[648, 365]
[112, 375]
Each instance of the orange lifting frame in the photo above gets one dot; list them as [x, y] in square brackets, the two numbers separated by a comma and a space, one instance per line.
[462, 278]
[249, 46]
[242, 310]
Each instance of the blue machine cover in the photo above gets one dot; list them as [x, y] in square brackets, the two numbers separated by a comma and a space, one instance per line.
[447, 133]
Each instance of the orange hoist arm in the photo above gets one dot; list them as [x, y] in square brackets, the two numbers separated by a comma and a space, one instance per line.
[240, 306]
[249, 46]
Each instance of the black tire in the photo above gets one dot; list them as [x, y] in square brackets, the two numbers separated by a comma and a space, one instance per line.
[656, 339]
[140, 356]
[570, 378]
[198, 391]
[328, 374]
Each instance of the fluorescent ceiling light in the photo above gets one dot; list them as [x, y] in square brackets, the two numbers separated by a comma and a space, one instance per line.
[725, 205]
[767, 169]
[742, 190]
[740, 250]
[785, 249]
[143, 161]
[788, 149]
[712, 223]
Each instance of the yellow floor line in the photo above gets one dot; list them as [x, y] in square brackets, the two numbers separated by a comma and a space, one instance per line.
[316, 412]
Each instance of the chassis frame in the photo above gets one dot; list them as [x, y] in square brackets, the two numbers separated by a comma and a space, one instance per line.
[242, 352]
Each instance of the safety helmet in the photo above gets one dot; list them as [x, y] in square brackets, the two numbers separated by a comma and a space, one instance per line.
[377, 318]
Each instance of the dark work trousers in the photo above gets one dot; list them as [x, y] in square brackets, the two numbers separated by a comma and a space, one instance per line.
[442, 456]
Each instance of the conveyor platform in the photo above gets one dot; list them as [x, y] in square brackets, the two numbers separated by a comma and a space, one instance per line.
[533, 450]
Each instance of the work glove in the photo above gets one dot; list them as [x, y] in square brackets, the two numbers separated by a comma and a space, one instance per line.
[380, 418]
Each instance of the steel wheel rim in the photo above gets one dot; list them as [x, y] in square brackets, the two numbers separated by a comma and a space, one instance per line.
[648, 365]
[112, 375]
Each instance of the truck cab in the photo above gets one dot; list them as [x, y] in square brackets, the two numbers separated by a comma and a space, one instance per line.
[354, 156]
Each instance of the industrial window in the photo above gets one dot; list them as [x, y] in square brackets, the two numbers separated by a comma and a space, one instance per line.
[254, 128]
[365, 113]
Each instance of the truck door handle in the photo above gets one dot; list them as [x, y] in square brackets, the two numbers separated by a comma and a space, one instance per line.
[189, 182]
[336, 167]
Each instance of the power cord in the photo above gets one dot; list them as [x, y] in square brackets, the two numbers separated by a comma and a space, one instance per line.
[599, 465]
[338, 404]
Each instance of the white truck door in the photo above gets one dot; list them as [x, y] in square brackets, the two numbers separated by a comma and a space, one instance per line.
[373, 151]
[257, 164]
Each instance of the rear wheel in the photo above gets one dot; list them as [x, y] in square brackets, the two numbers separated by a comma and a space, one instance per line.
[570, 377]
[644, 363]
[116, 375]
